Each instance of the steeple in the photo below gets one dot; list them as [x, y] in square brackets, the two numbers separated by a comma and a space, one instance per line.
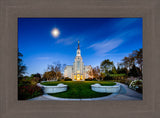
[78, 50]
[78, 44]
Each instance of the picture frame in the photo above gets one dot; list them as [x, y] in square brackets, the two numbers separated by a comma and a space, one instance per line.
[11, 10]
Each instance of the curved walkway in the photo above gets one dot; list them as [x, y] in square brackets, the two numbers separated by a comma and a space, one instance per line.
[125, 93]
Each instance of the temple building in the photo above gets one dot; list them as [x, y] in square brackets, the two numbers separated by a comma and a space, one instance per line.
[77, 71]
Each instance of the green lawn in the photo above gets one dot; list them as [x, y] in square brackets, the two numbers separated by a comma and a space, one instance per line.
[79, 89]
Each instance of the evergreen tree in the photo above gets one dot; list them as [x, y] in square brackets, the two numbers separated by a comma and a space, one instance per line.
[134, 71]
[118, 70]
[114, 71]
[21, 67]
[124, 71]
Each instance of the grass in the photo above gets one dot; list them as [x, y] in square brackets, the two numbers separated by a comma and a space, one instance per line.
[79, 89]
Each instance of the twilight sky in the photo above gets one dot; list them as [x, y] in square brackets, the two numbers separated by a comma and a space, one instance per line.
[100, 38]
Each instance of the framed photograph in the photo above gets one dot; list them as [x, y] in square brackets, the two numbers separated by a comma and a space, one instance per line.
[107, 64]
[79, 59]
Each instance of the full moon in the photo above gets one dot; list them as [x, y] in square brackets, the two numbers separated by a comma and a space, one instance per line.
[55, 32]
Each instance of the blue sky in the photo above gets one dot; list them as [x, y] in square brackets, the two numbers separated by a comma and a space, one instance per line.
[100, 38]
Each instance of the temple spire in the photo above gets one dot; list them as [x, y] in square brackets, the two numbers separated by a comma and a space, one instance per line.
[78, 44]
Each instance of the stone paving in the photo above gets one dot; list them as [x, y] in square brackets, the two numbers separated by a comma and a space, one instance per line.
[125, 93]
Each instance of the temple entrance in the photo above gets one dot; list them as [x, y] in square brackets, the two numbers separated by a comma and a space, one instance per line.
[78, 77]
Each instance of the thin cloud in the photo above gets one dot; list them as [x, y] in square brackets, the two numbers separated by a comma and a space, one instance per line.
[66, 41]
[113, 41]
[105, 46]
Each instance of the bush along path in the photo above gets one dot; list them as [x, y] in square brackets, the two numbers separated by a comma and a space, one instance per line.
[28, 89]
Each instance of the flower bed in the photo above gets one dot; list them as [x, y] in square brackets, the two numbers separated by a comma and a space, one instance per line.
[29, 91]
[136, 85]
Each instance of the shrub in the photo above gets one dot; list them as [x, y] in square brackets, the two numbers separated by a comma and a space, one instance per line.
[94, 79]
[28, 81]
[24, 81]
[60, 80]
[29, 91]
[123, 81]
[128, 82]
[67, 79]
[91, 79]
[108, 77]
[137, 85]
[88, 79]
[27, 88]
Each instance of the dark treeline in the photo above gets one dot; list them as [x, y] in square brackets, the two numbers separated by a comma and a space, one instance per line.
[130, 66]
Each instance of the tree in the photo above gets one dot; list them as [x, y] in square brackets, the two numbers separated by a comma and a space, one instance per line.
[21, 67]
[58, 75]
[118, 69]
[106, 65]
[46, 75]
[124, 70]
[130, 63]
[50, 75]
[135, 57]
[95, 72]
[134, 71]
[54, 72]
[131, 60]
[36, 75]
[125, 62]
[102, 75]
[114, 71]
[139, 58]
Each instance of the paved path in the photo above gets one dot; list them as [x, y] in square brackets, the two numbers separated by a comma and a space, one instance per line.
[125, 93]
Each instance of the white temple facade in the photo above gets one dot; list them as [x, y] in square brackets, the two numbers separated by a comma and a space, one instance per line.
[77, 71]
